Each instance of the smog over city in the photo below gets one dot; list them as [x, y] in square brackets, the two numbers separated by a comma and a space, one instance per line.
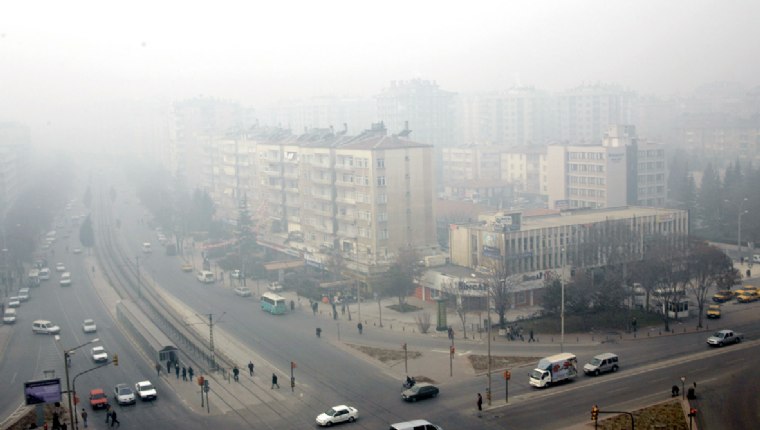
[271, 214]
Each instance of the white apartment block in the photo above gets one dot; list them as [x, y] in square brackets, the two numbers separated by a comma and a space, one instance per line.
[525, 167]
[343, 114]
[584, 113]
[471, 162]
[618, 172]
[15, 151]
[363, 196]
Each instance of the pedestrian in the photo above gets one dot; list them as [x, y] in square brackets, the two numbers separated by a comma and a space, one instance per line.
[114, 420]
[184, 373]
[108, 413]
[56, 421]
[480, 402]
[158, 369]
[274, 381]
[190, 373]
[530, 339]
[168, 367]
[292, 305]
[342, 308]
[84, 417]
[236, 373]
[360, 326]
[176, 369]
[250, 367]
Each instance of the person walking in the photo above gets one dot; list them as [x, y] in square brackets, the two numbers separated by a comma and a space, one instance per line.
[158, 369]
[176, 369]
[530, 338]
[360, 326]
[250, 368]
[168, 367]
[274, 381]
[184, 373]
[480, 402]
[84, 417]
[108, 413]
[114, 420]
[190, 373]
[236, 373]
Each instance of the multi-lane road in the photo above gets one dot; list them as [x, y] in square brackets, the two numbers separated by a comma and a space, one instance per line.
[328, 375]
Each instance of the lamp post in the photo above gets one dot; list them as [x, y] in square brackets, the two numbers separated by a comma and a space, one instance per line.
[66, 355]
[739, 225]
[488, 308]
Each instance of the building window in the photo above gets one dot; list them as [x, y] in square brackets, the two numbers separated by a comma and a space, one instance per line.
[383, 234]
[381, 181]
[382, 198]
[381, 163]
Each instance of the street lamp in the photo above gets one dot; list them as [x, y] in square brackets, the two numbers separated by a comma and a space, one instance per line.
[739, 225]
[66, 355]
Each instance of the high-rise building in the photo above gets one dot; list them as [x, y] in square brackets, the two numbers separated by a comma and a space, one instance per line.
[15, 150]
[348, 114]
[363, 197]
[619, 172]
[584, 113]
[420, 106]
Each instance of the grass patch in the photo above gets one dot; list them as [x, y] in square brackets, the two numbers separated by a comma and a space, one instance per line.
[668, 415]
[610, 320]
[479, 363]
[385, 355]
[406, 307]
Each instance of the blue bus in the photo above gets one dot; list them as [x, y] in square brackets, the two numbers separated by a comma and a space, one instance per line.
[273, 303]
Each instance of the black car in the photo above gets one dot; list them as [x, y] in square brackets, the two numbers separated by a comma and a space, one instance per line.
[419, 391]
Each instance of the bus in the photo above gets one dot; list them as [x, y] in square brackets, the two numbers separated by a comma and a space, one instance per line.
[273, 303]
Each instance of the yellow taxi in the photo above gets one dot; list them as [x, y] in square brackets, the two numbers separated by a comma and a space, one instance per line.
[748, 296]
[713, 311]
[723, 296]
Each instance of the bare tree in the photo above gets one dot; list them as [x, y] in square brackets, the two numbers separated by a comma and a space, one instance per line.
[708, 265]
[672, 251]
[423, 321]
[403, 274]
[500, 284]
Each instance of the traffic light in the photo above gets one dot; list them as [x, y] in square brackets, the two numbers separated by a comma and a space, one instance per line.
[594, 413]
[115, 359]
[452, 350]
[292, 364]
[201, 380]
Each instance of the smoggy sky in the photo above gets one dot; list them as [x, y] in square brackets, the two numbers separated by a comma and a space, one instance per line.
[58, 58]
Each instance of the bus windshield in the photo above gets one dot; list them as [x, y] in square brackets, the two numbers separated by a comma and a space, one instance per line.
[272, 303]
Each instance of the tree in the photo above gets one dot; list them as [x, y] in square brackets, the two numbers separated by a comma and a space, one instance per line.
[673, 252]
[86, 233]
[708, 265]
[710, 200]
[500, 284]
[403, 274]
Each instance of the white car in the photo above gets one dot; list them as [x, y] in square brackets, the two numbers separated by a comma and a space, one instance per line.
[235, 274]
[99, 354]
[338, 414]
[88, 326]
[146, 390]
[65, 279]
[14, 302]
[243, 291]
[23, 294]
[44, 274]
[60, 267]
[123, 394]
[77, 250]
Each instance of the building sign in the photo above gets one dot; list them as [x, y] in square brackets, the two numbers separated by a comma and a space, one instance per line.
[490, 245]
[562, 204]
[42, 391]
[615, 158]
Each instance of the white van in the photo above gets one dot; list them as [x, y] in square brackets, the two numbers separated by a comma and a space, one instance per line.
[607, 362]
[9, 317]
[206, 277]
[415, 425]
[45, 327]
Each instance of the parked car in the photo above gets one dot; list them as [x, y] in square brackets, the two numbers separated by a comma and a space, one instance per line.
[123, 394]
[88, 326]
[338, 414]
[99, 354]
[13, 302]
[419, 391]
[9, 316]
[98, 399]
[243, 291]
[146, 390]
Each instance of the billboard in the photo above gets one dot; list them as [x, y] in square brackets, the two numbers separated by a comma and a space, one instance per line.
[42, 391]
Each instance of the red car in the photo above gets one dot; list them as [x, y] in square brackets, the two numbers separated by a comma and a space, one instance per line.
[98, 398]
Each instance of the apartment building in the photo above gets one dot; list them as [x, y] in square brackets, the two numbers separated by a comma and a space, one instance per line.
[584, 113]
[15, 151]
[362, 196]
[619, 172]
[350, 114]
[525, 167]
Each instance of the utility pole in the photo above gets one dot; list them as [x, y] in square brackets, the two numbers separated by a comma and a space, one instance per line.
[488, 307]
[211, 340]
[139, 283]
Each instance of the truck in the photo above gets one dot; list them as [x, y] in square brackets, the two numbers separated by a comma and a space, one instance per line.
[724, 337]
[554, 369]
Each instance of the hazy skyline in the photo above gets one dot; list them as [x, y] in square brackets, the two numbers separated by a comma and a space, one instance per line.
[59, 61]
